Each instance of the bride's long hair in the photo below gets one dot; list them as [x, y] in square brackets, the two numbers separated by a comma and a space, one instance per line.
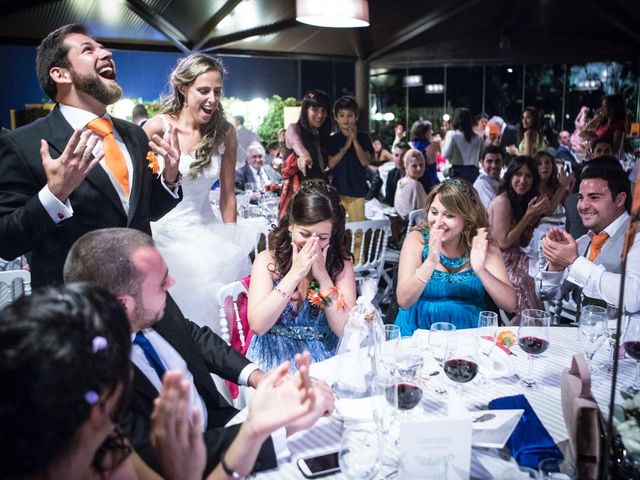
[212, 133]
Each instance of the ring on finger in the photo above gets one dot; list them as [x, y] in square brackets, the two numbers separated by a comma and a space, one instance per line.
[87, 157]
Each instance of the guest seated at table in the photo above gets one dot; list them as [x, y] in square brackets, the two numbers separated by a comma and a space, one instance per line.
[255, 172]
[303, 288]
[513, 215]
[592, 263]
[554, 184]
[488, 182]
[609, 122]
[396, 173]
[410, 194]
[449, 264]
[380, 154]
[529, 134]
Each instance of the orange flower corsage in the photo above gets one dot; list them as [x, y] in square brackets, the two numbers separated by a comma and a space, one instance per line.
[320, 300]
[506, 338]
[154, 166]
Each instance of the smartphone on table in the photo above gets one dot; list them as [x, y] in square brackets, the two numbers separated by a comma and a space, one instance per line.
[319, 465]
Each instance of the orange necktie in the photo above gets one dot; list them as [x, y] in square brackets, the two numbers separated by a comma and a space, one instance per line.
[113, 156]
[597, 241]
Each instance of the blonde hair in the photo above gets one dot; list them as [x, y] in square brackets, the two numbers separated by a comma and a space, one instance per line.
[460, 198]
[412, 153]
[212, 133]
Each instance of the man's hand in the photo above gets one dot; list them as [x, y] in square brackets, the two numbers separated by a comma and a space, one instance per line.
[169, 147]
[560, 248]
[255, 378]
[66, 173]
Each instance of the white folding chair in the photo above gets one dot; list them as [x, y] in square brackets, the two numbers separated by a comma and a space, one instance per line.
[373, 239]
[13, 285]
[415, 217]
[262, 240]
[231, 290]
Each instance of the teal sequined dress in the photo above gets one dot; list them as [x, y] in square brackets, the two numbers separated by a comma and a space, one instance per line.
[456, 298]
[295, 331]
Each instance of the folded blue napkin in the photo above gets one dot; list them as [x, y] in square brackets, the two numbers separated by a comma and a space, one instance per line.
[530, 442]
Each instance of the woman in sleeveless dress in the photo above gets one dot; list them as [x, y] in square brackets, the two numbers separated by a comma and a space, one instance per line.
[513, 216]
[448, 265]
[303, 289]
[529, 134]
[202, 254]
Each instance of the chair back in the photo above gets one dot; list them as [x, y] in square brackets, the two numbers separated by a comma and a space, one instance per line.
[373, 236]
[415, 217]
[232, 307]
[262, 240]
[582, 417]
[13, 285]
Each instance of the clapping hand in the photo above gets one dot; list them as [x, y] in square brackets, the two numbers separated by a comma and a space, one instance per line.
[479, 249]
[537, 206]
[566, 179]
[176, 434]
[435, 246]
[65, 173]
[169, 147]
[560, 248]
[304, 258]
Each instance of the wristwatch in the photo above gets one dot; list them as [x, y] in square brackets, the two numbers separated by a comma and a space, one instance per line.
[174, 184]
[231, 472]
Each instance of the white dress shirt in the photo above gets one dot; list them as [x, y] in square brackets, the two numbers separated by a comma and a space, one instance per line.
[487, 188]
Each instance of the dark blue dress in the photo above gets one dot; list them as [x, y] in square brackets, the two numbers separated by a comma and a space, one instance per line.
[456, 298]
[294, 332]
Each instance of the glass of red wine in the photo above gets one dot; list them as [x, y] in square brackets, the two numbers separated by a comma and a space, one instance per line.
[632, 348]
[461, 358]
[408, 367]
[533, 339]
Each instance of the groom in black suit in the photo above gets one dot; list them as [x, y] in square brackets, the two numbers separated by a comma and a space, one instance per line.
[96, 179]
[127, 263]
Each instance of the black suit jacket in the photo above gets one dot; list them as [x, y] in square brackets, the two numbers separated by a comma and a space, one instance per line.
[204, 352]
[25, 226]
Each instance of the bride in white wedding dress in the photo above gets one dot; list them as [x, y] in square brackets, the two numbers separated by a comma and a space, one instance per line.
[202, 254]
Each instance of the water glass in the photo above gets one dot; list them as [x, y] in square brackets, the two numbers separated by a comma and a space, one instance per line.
[487, 332]
[632, 348]
[533, 339]
[388, 350]
[385, 414]
[359, 454]
[592, 330]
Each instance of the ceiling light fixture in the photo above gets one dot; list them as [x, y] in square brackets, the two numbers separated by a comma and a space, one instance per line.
[333, 13]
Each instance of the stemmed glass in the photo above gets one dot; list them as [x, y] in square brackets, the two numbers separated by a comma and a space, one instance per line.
[611, 319]
[592, 330]
[359, 455]
[408, 367]
[487, 333]
[437, 343]
[461, 359]
[632, 348]
[385, 413]
[533, 339]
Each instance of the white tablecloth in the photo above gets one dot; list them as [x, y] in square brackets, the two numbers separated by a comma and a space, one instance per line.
[325, 435]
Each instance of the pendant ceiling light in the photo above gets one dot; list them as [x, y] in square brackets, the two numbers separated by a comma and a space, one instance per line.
[333, 13]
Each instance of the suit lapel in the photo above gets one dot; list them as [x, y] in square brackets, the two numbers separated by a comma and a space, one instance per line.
[137, 160]
[60, 132]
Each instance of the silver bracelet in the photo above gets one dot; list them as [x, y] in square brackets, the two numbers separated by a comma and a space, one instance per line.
[281, 292]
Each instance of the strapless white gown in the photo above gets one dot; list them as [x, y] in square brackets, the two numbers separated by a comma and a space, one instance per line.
[202, 253]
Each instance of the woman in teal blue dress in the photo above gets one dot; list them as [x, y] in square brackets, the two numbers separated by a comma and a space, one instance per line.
[303, 288]
[449, 264]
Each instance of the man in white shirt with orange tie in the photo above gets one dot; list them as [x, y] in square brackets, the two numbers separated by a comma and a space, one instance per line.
[592, 263]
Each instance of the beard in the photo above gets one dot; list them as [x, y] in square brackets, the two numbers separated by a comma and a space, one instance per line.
[94, 87]
[145, 317]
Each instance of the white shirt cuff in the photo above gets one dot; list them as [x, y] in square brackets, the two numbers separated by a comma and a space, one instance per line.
[279, 439]
[174, 192]
[246, 372]
[57, 210]
[580, 271]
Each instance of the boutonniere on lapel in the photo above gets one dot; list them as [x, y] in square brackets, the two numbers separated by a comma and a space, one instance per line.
[154, 166]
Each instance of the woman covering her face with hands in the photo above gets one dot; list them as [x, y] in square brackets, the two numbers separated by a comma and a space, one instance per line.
[449, 264]
[304, 287]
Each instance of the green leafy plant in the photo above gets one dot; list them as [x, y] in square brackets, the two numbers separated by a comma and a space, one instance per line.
[274, 120]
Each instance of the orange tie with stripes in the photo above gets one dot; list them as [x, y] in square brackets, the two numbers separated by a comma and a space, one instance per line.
[597, 241]
[113, 156]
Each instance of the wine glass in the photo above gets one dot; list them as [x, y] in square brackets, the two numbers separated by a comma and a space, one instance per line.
[408, 367]
[592, 331]
[487, 332]
[359, 455]
[611, 331]
[461, 359]
[632, 348]
[437, 343]
[533, 339]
